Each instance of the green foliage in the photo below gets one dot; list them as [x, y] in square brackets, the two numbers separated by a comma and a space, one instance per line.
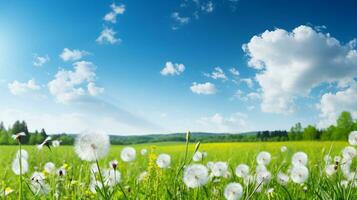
[310, 133]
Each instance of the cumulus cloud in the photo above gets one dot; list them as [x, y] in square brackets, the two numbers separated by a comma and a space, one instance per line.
[248, 81]
[19, 88]
[236, 122]
[38, 61]
[234, 71]
[112, 15]
[208, 7]
[70, 85]
[72, 55]
[107, 36]
[239, 94]
[332, 104]
[203, 88]
[291, 64]
[179, 20]
[172, 69]
[217, 73]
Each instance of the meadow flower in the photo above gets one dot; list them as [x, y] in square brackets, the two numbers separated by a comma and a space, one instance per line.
[299, 174]
[263, 158]
[283, 148]
[282, 178]
[270, 192]
[197, 156]
[113, 164]
[49, 167]
[128, 154]
[352, 138]
[337, 159]
[163, 160]
[94, 185]
[8, 190]
[330, 170]
[18, 136]
[61, 172]
[263, 177]
[143, 152]
[242, 170]
[220, 169]
[233, 191]
[24, 154]
[111, 177]
[327, 159]
[195, 175]
[38, 185]
[16, 166]
[94, 168]
[46, 143]
[142, 176]
[56, 143]
[299, 158]
[349, 153]
[344, 183]
[210, 165]
[91, 146]
[260, 168]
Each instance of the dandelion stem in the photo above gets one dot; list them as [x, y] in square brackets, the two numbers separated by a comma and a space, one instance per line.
[20, 162]
[102, 180]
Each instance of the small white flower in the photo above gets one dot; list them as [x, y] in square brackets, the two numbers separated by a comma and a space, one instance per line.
[38, 185]
[91, 146]
[142, 176]
[111, 177]
[143, 152]
[24, 154]
[263, 177]
[260, 168]
[163, 160]
[299, 158]
[195, 175]
[283, 149]
[282, 178]
[16, 166]
[198, 156]
[242, 170]
[233, 191]
[352, 138]
[50, 167]
[94, 184]
[56, 143]
[327, 159]
[128, 154]
[349, 153]
[263, 158]
[220, 169]
[330, 170]
[299, 174]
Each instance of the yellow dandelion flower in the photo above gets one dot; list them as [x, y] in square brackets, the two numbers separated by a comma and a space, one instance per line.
[8, 190]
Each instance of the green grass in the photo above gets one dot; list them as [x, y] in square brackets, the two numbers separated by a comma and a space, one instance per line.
[160, 184]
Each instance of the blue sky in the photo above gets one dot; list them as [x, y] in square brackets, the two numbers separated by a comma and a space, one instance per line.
[169, 65]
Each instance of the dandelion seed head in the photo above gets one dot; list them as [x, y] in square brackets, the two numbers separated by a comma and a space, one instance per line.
[50, 167]
[16, 166]
[94, 184]
[242, 170]
[299, 174]
[91, 145]
[220, 169]
[349, 153]
[128, 154]
[352, 138]
[56, 143]
[263, 158]
[283, 148]
[24, 154]
[327, 159]
[198, 156]
[299, 158]
[113, 164]
[195, 175]
[263, 177]
[282, 178]
[163, 160]
[330, 170]
[233, 191]
[143, 152]
[111, 177]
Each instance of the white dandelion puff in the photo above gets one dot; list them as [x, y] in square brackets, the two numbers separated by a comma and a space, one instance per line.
[327, 159]
[198, 156]
[210, 165]
[299, 158]
[282, 178]
[16, 166]
[204, 154]
[143, 152]
[142, 176]
[111, 177]
[299, 174]
[91, 146]
[283, 148]
[195, 175]
[352, 138]
[128, 154]
[113, 164]
[233, 191]
[18, 135]
[260, 168]
[163, 160]
[50, 167]
[349, 153]
[94, 168]
[94, 185]
[337, 159]
[263, 177]
[242, 170]
[38, 185]
[220, 169]
[330, 170]
[263, 158]
[56, 143]
[24, 154]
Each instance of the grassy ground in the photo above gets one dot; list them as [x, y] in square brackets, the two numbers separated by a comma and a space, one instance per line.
[162, 183]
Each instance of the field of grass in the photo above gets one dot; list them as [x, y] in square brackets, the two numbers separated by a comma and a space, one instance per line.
[168, 184]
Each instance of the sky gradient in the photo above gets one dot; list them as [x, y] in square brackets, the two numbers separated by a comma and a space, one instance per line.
[129, 67]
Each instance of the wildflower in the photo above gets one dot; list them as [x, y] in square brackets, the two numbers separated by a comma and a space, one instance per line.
[113, 164]
[263, 158]
[8, 191]
[111, 177]
[283, 149]
[210, 165]
[282, 178]
[260, 168]
[143, 152]
[263, 177]
[270, 192]
[38, 185]
[327, 159]
[128, 154]
[16, 166]
[46, 143]
[91, 146]
[242, 170]
[344, 183]
[330, 169]
[94, 185]
[233, 191]
[18, 136]
[299, 174]
[50, 167]
[94, 168]
[352, 138]
[349, 153]
[220, 169]
[163, 160]
[56, 143]
[197, 156]
[337, 159]
[61, 172]
[24, 154]
[195, 175]
[299, 158]
[142, 176]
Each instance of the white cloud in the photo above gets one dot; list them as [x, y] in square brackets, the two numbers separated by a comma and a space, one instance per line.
[38, 61]
[203, 88]
[18, 88]
[239, 94]
[72, 55]
[234, 71]
[236, 122]
[253, 96]
[112, 15]
[208, 7]
[217, 73]
[70, 85]
[291, 64]
[331, 105]
[107, 36]
[248, 81]
[172, 69]
[179, 20]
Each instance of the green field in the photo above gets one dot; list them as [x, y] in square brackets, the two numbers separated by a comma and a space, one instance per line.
[162, 184]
